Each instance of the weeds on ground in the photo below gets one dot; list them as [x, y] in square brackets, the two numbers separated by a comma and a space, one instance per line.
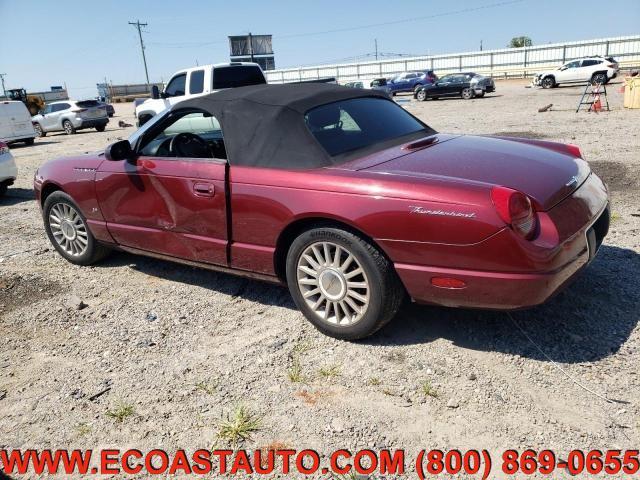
[294, 372]
[120, 412]
[206, 387]
[83, 429]
[329, 371]
[428, 390]
[374, 381]
[239, 426]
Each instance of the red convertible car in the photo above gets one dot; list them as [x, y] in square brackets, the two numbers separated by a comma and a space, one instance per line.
[339, 193]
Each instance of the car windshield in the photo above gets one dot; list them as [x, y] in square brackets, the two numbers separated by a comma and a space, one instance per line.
[358, 123]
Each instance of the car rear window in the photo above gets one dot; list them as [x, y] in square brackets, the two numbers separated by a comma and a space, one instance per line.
[358, 123]
[237, 76]
[87, 103]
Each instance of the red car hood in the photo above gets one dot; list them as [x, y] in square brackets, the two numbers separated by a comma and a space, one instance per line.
[542, 170]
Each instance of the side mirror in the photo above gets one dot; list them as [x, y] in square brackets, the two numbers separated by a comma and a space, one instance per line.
[119, 151]
[155, 92]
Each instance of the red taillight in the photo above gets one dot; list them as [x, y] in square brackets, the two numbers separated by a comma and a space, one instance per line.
[4, 148]
[574, 150]
[79, 110]
[515, 209]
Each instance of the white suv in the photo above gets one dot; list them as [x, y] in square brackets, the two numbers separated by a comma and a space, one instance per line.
[197, 81]
[583, 70]
[69, 116]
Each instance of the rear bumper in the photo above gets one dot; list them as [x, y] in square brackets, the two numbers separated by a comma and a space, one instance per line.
[92, 123]
[514, 290]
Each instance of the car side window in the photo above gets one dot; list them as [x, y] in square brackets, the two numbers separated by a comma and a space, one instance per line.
[200, 136]
[589, 63]
[575, 64]
[176, 87]
[196, 81]
[47, 109]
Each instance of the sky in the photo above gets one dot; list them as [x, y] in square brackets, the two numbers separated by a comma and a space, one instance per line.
[80, 43]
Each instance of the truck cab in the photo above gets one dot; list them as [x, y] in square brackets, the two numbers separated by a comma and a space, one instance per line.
[196, 81]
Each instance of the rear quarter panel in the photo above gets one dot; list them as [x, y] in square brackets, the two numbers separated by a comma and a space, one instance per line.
[265, 201]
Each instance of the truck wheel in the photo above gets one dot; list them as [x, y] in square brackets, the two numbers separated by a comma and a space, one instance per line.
[342, 284]
[68, 231]
[548, 82]
[68, 127]
[39, 131]
[467, 93]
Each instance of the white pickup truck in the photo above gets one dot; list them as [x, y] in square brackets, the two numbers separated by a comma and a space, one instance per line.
[196, 81]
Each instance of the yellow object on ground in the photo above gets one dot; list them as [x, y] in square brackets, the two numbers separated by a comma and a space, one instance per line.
[632, 92]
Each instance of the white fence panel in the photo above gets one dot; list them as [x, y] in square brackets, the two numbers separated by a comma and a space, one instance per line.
[508, 62]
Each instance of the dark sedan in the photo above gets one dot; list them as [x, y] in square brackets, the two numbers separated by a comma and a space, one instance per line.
[108, 107]
[466, 85]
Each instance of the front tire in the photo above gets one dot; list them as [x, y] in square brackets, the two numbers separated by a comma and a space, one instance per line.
[68, 231]
[548, 82]
[68, 127]
[421, 95]
[342, 284]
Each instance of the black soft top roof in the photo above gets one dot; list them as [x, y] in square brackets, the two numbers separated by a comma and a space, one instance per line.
[263, 125]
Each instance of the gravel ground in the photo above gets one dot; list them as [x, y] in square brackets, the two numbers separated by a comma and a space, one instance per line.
[170, 351]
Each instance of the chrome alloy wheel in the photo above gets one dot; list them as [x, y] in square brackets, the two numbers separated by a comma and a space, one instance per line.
[68, 229]
[333, 283]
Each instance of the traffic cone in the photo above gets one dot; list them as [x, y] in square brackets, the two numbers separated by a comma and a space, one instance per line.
[597, 105]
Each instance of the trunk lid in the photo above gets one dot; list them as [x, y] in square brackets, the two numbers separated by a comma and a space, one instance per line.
[546, 175]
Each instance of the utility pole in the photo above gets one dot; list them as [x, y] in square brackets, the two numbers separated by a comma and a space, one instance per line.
[375, 40]
[480, 45]
[137, 24]
[2, 75]
[251, 46]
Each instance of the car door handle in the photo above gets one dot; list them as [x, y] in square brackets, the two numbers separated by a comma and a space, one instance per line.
[203, 189]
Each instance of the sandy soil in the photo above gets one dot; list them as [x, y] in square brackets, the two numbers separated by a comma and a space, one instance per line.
[177, 349]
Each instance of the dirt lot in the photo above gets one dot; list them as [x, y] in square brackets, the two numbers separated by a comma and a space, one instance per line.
[174, 350]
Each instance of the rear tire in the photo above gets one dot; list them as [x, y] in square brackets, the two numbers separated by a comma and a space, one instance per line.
[68, 127]
[68, 231]
[29, 141]
[3, 189]
[342, 284]
[39, 131]
[467, 93]
[600, 78]
[101, 128]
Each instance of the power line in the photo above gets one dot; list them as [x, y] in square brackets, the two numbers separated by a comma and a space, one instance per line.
[357, 27]
[137, 24]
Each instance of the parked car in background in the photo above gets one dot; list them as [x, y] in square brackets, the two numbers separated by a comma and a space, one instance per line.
[410, 81]
[339, 193]
[69, 116]
[15, 123]
[197, 81]
[583, 70]
[8, 169]
[356, 84]
[108, 107]
[466, 85]
[381, 84]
